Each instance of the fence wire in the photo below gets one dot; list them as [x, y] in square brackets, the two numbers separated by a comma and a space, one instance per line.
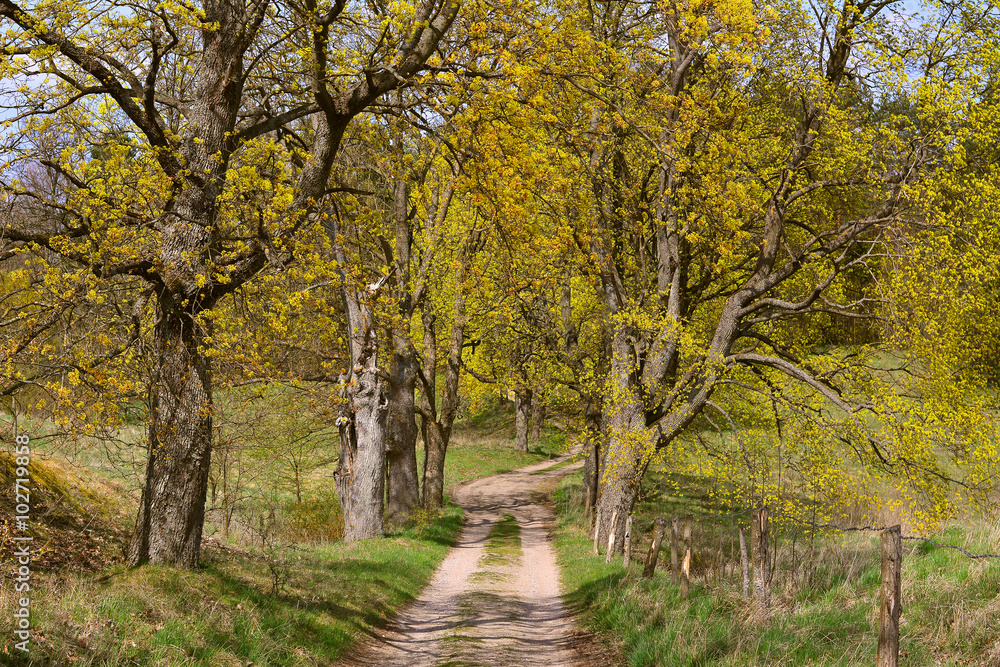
[870, 528]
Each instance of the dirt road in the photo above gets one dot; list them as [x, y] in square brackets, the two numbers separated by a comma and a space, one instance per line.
[487, 609]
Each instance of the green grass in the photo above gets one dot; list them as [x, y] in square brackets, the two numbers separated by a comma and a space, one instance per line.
[503, 543]
[950, 614]
[302, 600]
[228, 612]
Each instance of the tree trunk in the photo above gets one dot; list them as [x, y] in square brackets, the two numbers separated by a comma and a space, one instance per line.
[629, 444]
[401, 428]
[522, 419]
[401, 440]
[759, 534]
[435, 447]
[592, 446]
[437, 425]
[360, 477]
[428, 401]
[438, 433]
[172, 510]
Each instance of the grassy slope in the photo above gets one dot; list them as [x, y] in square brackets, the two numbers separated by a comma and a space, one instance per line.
[824, 616]
[303, 605]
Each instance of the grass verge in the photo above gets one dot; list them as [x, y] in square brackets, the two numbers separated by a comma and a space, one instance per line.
[950, 614]
[302, 606]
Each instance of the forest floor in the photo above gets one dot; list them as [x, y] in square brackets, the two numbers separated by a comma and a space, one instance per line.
[496, 598]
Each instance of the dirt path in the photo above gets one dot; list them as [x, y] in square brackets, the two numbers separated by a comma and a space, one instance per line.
[487, 609]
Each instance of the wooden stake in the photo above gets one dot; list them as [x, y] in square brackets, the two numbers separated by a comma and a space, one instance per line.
[686, 568]
[611, 536]
[891, 598]
[654, 548]
[675, 570]
[627, 559]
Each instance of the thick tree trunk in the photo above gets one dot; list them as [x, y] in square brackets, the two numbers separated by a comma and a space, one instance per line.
[621, 489]
[522, 419]
[401, 441]
[172, 510]
[360, 477]
[403, 494]
[629, 444]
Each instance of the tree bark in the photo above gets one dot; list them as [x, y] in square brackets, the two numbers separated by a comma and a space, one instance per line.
[890, 598]
[629, 442]
[439, 431]
[428, 402]
[360, 477]
[522, 419]
[627, 558]
[436, 447]
[654, 548]
[171, 513]
[675, 536]
[686, 564]
[403, 492]
[759, 534]
[592, 446]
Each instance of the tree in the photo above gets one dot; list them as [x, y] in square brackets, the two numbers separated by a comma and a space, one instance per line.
[737, 201]
[808, 190]
[211, 196]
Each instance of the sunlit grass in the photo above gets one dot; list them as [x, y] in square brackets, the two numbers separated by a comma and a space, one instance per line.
[233, 611]
[824, 609]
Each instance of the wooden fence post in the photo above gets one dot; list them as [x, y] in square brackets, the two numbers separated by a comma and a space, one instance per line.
[762, 574]
[597, 530]
[654, 548]
[611, 536]
[745, 562]
[627, 558]
[891, 597]
[675, 570]
[686, 568]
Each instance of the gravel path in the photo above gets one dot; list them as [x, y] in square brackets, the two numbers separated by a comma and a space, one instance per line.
[477, 611]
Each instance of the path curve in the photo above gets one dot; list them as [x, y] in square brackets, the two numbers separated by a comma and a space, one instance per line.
[477, 612]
